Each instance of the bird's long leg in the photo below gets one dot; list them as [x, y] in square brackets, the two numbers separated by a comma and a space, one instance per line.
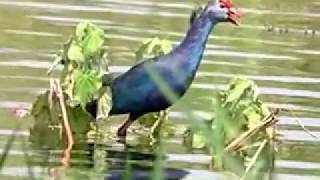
[122, 131]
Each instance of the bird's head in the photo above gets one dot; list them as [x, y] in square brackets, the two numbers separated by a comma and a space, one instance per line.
[223, 11]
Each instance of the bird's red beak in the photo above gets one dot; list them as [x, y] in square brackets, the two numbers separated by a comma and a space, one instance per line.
[233, 14]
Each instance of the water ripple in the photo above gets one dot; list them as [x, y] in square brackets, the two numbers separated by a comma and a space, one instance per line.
[265, 90]
[32, 33]
[68, 7]
[14, 104]
[282, 13]
[26, 63]
[311, 122]
[286, 79]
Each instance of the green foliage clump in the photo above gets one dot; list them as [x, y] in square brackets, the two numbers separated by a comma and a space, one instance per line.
[84, 63]
[238, 110]
[47, 128]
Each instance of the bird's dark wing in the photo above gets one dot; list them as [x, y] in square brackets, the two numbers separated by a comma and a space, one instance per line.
[130, 91]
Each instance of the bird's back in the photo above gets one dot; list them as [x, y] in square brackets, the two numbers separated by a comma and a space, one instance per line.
[137, 91]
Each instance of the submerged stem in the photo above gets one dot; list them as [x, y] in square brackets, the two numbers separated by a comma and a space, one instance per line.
[254, 158]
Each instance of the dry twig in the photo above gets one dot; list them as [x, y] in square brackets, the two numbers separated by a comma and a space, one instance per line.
[66, 123]
[265, 123]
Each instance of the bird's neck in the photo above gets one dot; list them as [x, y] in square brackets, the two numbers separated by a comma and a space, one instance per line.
[195, 41]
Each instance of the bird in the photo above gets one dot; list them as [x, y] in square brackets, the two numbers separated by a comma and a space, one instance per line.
[137, 91]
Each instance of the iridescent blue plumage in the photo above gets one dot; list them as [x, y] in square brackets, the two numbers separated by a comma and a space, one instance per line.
[136, 92]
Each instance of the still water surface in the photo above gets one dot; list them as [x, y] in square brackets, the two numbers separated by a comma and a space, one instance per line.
[277, 45]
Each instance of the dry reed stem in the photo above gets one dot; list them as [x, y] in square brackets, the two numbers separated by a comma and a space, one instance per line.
[66, 123]
[266, 122]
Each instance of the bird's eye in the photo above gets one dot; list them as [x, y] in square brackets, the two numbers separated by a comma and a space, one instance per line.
[222, 6]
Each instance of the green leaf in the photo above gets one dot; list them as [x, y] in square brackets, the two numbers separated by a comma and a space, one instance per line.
[149, 119]
[90, 37]
[237, 89]
[154, 42]
[79, 120]
[253, 116]
[198, 141]
[264, 109]
[75, 53]
[166, 46]
[104, 105]
[81, 30]
[86, 86]
[140, 52]
[153, 47]
[93, 43]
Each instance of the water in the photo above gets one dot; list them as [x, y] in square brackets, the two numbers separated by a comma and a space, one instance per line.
[277, 45]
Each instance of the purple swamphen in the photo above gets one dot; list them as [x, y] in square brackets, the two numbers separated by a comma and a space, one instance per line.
[136, 92]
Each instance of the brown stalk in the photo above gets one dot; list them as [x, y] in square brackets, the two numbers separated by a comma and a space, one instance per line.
[66, 123]
[267, 121]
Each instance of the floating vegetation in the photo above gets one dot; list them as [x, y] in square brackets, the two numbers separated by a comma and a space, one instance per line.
[243, 134]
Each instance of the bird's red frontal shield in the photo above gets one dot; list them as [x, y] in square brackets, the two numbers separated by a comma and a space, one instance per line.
[234, 14]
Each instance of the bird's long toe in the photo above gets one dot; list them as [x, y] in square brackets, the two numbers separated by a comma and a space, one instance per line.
[121, 135]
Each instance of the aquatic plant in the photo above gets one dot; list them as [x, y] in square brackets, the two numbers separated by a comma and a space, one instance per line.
[84, 63]
[242, 133]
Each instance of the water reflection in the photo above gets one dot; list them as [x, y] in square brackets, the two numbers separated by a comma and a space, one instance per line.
[110, 162]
